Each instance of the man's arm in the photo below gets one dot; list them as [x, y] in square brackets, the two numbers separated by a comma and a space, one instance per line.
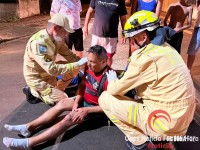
[80, 113]
[79, 95]
[88, 17]
[159, 7]
[168, 14]
[134, 6]
[123, 21]
[94, 109]
[189, 21]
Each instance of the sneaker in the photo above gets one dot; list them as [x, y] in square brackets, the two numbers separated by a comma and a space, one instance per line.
[29, 97]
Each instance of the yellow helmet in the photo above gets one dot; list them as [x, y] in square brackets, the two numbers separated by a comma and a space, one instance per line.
[140, 21]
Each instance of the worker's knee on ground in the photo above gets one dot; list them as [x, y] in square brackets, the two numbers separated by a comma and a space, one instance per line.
[35, 93]
[102, 99]
[55, 96]
[48, 100]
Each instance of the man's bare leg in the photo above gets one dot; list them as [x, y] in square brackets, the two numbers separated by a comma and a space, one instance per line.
[48, 116]
[49, 134]
[52, 132]
[190, 61]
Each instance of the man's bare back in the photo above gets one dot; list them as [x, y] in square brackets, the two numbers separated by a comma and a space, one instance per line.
[178, 12]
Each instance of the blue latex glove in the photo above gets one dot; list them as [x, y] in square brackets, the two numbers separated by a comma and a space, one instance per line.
[82, 61]
[111, 75]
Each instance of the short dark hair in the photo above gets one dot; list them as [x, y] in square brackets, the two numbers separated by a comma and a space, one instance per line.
[99, 51]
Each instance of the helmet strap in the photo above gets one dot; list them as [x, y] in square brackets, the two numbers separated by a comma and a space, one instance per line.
[141, 46]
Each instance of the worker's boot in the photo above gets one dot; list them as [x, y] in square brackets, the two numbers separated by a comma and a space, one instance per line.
[148, 145]
[29, 97]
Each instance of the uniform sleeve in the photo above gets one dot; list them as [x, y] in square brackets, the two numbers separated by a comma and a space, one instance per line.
[140, 71]
[122, 8]
[44, 60]
[67, 53]
[55, 6]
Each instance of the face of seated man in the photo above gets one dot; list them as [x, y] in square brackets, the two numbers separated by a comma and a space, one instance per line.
[95, 64]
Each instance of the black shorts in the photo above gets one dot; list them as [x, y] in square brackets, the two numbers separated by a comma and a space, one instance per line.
[176, 41]
[75, 39]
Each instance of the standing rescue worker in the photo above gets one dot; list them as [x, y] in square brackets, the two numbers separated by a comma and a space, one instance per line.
[40, 69]
[161, 79]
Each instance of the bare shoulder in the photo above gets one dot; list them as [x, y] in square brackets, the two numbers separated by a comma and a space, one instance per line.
[190, 8]
[173, 5]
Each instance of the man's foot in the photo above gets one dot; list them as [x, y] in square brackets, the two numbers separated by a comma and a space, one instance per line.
[29, 97]
[19, 129]
[15, 143]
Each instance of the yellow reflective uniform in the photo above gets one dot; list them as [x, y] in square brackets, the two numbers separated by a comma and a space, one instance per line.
[40, 69]
[163, 81]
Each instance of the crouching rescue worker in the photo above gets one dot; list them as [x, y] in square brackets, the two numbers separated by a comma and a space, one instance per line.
[160, 78]
[40, 69]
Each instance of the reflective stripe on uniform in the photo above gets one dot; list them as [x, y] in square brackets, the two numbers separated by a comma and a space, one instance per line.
[70, 67]
[47, 100]
[159, 125]
[114, 119]
[37, 36]
[44, 74]
[150, 49]
[46, 91]
[132, 115]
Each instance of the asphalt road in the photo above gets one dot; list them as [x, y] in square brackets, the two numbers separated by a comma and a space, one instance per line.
[11, 76]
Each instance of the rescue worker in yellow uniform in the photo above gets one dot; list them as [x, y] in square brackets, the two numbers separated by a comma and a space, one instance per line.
[163, 84]
[40, 69]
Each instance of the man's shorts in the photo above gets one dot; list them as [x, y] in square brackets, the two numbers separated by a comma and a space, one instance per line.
[99, 116]
[195, 42]
[75, 39]
[110, 44]
[86, 104]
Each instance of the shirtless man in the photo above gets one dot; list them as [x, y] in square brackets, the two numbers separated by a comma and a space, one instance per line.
[178, 12]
